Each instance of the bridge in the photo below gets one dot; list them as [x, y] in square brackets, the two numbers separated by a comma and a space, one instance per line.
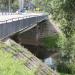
[13, 23]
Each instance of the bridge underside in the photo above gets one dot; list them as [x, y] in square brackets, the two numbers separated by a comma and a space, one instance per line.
[34, 35]
[24, 23]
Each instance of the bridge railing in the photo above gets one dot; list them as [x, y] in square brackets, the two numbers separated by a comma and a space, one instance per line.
[14, 25]
[15, 19]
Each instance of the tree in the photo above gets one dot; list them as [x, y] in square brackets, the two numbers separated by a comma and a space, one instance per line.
[63, 11]
[6, 5]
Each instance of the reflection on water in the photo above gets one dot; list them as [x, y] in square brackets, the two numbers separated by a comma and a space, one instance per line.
[50, 62]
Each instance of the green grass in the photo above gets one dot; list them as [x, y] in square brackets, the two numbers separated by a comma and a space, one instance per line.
[11, 66]
[50, 41]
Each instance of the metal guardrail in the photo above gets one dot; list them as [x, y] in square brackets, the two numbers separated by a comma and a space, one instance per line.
[6, 13]
[14, 25]
[15, 19]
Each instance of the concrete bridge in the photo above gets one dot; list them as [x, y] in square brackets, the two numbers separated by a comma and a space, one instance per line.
[11, 24]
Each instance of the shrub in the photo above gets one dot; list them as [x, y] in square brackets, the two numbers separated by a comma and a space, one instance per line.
[66, 68]
[63, 68]
[61, 41]
[69, 50]
[72, 68]
[55, 41]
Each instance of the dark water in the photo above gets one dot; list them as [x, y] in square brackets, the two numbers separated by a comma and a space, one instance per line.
[39, 51]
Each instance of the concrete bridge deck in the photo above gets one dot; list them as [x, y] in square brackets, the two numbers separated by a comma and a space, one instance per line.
[10, 24]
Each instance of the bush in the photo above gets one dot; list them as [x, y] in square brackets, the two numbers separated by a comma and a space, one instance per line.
[66, 68]
[63, 68]
[72, 68]
[69, 50]
[61, 41]
[56, 41]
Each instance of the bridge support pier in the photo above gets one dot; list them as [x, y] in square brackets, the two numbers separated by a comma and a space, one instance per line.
[37, 34]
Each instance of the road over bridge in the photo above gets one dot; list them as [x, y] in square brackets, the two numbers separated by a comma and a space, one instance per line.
[11, 24]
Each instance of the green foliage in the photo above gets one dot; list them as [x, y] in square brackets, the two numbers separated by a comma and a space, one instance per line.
[69, 5]
[56, 41]
[4, 5]
[66, 69]
[15, 5]
[63, 68]
[61, 41]
[68, 51]
[66, 48]
[64, 74]
[10, 66]
[70, 48]
[63, 11]
[72, 68]
[50, 41]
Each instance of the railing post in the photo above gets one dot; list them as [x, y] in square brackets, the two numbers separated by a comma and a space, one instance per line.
[6, 21]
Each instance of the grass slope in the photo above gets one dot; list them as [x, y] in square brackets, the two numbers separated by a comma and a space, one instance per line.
[16, 60]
